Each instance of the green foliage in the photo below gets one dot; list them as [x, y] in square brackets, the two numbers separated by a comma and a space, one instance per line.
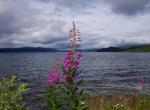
[136, 102]
[143, 103]
[11, 94]
[112, 107]
[53, 102]
[74, 96]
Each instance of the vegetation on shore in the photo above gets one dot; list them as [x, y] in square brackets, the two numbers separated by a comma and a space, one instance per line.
[11, 92]
[11, 99]
[119, 102]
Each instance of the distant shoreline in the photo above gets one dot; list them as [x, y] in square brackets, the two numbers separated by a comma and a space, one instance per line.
[142, 48]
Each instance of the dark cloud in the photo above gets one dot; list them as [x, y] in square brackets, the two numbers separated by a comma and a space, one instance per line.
[23, 25]
[129, 7]
[52, 40]
[14, 17]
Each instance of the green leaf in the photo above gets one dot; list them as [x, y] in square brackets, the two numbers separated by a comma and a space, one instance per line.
[64, 69]
[81, 92]
[80, 82]
[84, 108]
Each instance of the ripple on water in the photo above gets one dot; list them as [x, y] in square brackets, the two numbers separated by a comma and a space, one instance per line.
[103, 73]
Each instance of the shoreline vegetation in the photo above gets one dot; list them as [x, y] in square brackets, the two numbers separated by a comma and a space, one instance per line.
[139, 48]
[69, 95]
[119, 102]
[12, 93]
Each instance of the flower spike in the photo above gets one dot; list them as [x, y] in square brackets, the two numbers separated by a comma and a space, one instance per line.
[75, 37]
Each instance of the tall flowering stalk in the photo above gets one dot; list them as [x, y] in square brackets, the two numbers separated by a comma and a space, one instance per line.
[54, 77]
[53, 80]
[70, 97]
[75, 37]
[70, 73]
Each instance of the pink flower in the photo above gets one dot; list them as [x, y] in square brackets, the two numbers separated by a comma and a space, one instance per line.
[77, 62]
[71, 63]
[65, 75]
[67, 63]
[79, 55]
[53, 79]
[142, 82]
[70, 55]
[73, 60]
[74, 78]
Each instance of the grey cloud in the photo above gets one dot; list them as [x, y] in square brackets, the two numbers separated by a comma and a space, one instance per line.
[52, 40]
[61, 45]
[129, 7]
[126, 7]
[100, 41]
[75, 5]
[21, 25]
[46, 23]
[57, 25]
[14, 17]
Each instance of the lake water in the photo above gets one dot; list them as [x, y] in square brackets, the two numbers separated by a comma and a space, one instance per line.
[103, 73]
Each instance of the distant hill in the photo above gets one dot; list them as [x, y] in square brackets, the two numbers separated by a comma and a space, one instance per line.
[87, 50]
[144, 48]
[110, 49]
[27, 49]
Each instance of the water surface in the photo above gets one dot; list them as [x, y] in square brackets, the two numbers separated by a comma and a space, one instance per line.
[103, 73]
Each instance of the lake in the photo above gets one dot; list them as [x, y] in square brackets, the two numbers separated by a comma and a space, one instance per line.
[103, 73]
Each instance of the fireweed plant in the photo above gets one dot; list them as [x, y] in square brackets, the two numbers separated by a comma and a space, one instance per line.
[67, 96]
[53, 80]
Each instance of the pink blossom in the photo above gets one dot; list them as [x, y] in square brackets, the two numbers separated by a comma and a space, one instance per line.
[71, 63]
[77, 62]
[65, 75]
[74, 78]
[72, 60]
[70, 55]
[142, 82]
[79, 55]
[67, 63]
[53, 79]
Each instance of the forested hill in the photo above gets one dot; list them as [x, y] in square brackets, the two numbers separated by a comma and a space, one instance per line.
[144, 48]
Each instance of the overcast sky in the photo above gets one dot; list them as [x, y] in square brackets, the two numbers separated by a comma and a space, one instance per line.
[46, 23]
